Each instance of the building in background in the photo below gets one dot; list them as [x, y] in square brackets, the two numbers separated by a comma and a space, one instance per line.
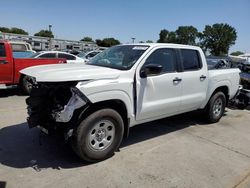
[46, 43]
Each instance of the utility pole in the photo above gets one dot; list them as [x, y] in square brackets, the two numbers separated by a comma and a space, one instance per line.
[133, 40]
[50, 40]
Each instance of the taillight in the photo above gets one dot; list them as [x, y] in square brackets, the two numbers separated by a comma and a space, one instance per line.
[62, 61]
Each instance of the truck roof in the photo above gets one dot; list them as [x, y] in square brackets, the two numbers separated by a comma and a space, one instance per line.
[164, 44]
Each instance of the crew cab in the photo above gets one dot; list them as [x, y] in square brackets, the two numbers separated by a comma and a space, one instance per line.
[10, 67]
[96, 104]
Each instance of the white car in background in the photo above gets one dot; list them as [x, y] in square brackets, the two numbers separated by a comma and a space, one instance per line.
[57, 54]
[88, 55]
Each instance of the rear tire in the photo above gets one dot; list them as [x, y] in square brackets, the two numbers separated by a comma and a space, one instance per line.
[98, 136]
[215, 107]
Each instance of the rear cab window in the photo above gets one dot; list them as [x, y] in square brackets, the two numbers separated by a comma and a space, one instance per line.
[2, 50]
[18, 47]
[191, 59]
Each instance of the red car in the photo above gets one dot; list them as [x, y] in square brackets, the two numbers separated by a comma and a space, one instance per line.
[10, 67]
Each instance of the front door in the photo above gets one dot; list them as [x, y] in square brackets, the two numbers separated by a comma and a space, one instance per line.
[159, 95]
[6, 69]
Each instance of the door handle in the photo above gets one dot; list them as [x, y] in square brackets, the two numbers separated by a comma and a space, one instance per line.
[203, 77]
[3, 62]
[177, 79]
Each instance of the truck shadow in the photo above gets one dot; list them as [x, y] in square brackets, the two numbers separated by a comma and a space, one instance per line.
[9, 92]
[21, 147]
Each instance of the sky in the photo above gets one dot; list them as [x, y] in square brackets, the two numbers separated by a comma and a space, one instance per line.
[124, 19]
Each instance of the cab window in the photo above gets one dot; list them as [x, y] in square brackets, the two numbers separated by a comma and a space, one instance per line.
[18, 47]
[191, 60]
[165, 57]
[2, 50]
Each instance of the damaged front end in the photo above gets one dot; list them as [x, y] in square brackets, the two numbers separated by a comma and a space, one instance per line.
[53, 106]
[241, 99]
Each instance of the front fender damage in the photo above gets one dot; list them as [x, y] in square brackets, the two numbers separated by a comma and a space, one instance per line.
[75, 102]
[54, 106]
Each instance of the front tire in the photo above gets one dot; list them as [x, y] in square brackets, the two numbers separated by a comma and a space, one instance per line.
[216, 107]
[26, 85]
[99, 135]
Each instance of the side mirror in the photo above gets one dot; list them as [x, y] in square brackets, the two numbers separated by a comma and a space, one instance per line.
[150, 69]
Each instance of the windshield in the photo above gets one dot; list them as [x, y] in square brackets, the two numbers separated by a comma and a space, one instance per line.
[81, 54]
[119, 57]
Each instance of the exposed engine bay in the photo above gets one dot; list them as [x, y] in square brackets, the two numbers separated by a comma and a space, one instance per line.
[53, 104]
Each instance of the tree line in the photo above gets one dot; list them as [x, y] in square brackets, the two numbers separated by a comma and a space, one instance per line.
[215, 39]
[106, 42]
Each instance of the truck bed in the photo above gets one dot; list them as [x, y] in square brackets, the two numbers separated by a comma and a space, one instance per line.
[228, 77]
[28, 62]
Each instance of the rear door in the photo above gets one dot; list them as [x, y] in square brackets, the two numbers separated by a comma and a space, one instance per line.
[194, 80]
[159, 95]
[6, 65]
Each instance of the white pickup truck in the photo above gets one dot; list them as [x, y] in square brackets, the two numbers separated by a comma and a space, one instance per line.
[96, 104]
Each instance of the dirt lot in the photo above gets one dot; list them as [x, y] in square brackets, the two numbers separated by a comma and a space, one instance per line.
[180, 151]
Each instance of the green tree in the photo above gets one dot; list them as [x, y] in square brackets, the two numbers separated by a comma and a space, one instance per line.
[44, 33]
[107, 42]
[98, 42]
[5, 29]
[18, 31]
[87, 39]
[186, 35]
[149, 41]
[237, 53]
[166, 36]
[218, 38]
[14, 30]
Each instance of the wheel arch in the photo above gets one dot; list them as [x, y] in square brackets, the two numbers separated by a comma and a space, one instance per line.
[224, 89]
[115, 104]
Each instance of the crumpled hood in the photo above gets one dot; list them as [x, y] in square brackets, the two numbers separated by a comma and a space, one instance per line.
[69, 72]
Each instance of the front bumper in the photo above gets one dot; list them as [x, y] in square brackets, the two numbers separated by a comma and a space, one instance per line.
[53, 107]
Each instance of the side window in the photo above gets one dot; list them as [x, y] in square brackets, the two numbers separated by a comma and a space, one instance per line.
[37, 44]
[66, 56]
[18, 47]
[48, 55]
[191, 59]
[165, 57]
[2, 50]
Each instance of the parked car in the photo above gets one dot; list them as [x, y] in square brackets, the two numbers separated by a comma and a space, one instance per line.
[96, 104]
[10, 67]
[88, 55]
[57, 54]
[20, 46]
[218, 63]
[21, 49]
[245, 79]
